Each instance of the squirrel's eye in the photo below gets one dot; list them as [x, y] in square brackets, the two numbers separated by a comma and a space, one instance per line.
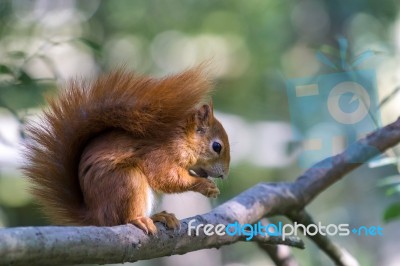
[216, 147]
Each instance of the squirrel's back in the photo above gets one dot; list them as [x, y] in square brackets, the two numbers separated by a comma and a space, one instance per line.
[143, 106]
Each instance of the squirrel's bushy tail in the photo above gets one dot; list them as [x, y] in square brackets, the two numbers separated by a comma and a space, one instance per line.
[141, 105]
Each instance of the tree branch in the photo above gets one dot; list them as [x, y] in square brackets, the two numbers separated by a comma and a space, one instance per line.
[338, 255]
[52, 245]
[69, 245]
[280, 255]
[323, 174]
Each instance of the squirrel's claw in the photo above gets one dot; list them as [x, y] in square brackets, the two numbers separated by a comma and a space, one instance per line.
[146, 224]
[168, 219]
[207, 188]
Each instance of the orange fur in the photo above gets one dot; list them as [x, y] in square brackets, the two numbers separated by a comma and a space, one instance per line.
[100, 147]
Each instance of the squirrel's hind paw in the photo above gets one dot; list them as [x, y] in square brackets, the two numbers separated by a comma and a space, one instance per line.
[146, 224]
[168, 219]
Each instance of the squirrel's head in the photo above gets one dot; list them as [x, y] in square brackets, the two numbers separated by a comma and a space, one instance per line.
[211, 145]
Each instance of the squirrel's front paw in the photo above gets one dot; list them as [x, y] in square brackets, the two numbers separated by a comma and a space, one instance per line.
[207, 188]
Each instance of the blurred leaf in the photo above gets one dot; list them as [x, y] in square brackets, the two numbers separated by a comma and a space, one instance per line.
[5, 69]
[389, 180]
[392, 212]
[324, 59]
[17, 54]
[13, 191]
[362, 57]
[25, 95]
[329, 50]
[382, 160]
[91, 44]
[343, 45]
[392, 190]
[25, 78]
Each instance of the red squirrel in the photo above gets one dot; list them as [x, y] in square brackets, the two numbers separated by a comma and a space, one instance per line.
[102, 150]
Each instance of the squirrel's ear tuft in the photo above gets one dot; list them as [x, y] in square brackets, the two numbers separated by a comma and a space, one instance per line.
[204, 115]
